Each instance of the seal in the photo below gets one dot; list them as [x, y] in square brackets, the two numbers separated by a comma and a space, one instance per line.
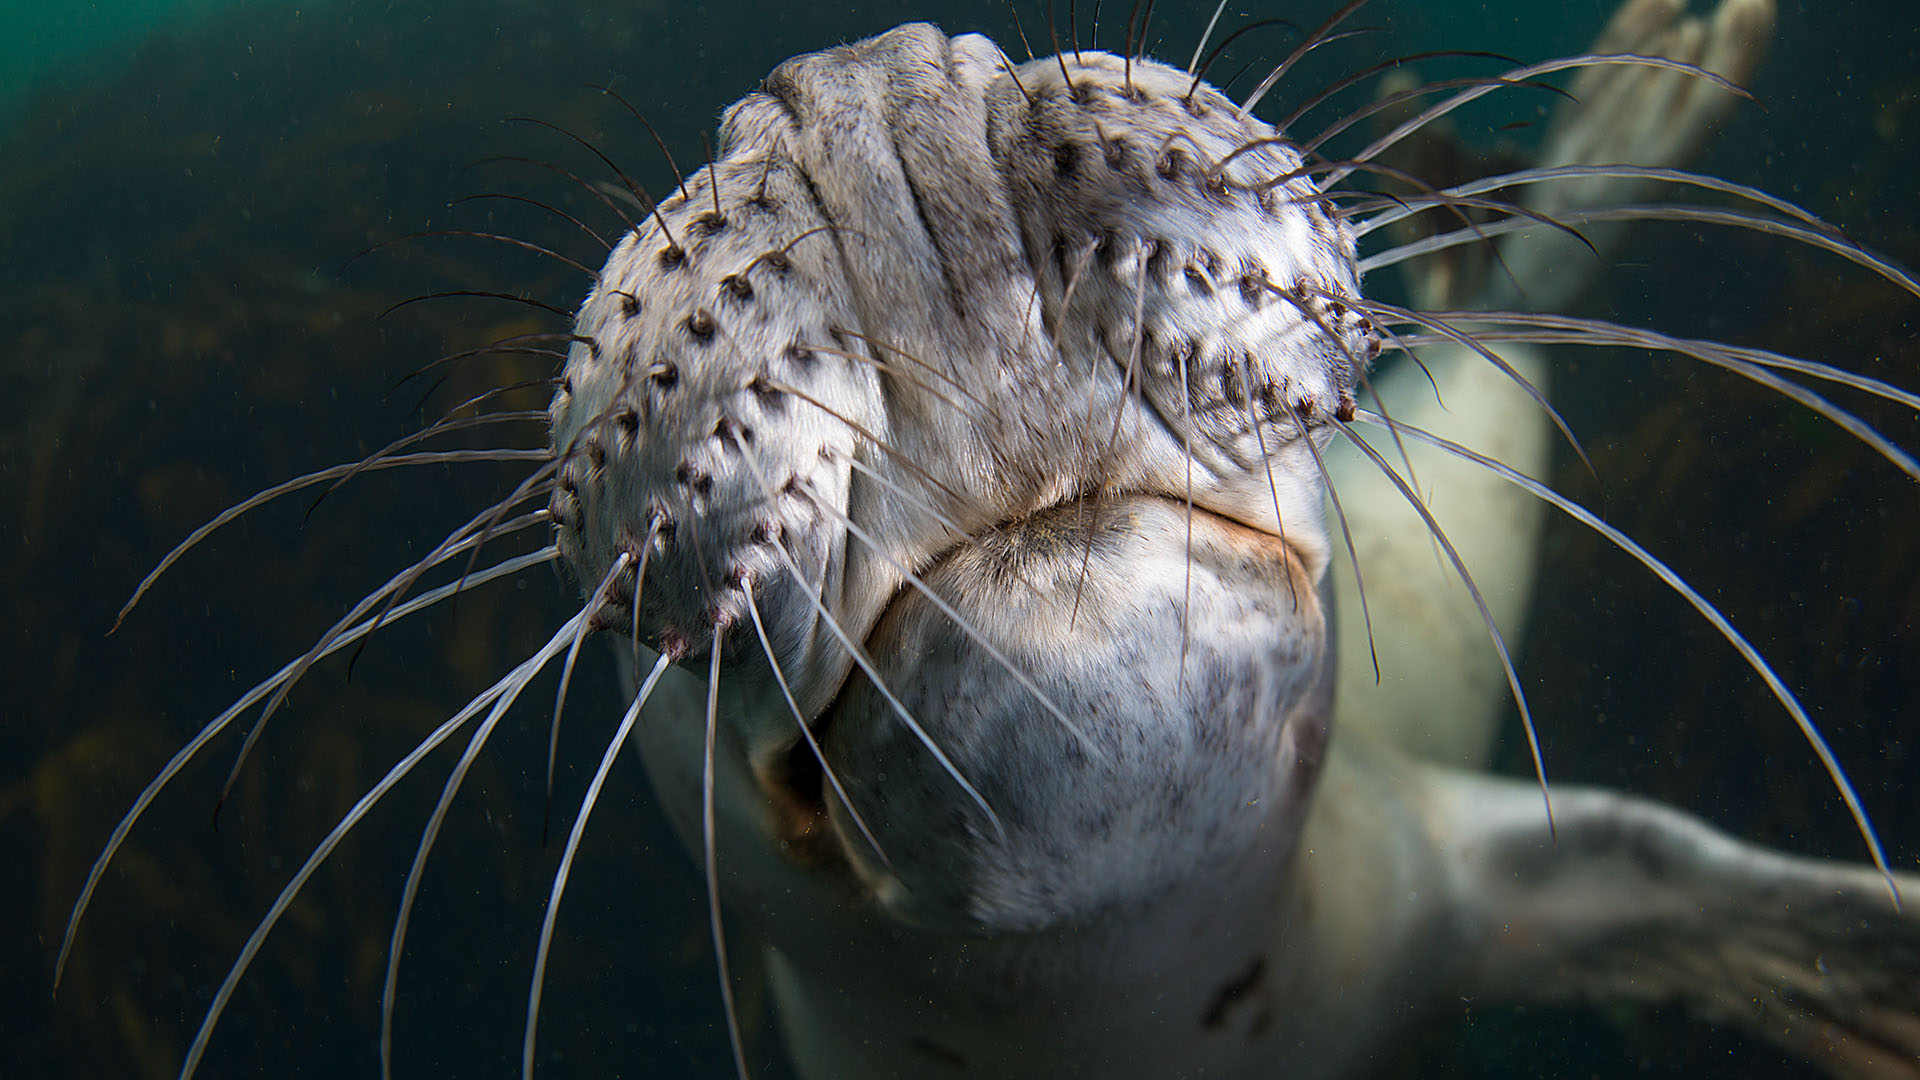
[950, 458]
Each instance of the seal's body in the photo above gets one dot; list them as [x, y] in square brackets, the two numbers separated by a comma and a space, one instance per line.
[977, 416]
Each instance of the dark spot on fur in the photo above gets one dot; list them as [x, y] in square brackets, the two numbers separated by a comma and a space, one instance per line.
[700, 325]
[709, 223]
[1066, 160]
[629, 303]
[664, 375]
[737, 286]
[629, 422]
[777, 261]
[1168, 165]
[673, 257]
[765, 393]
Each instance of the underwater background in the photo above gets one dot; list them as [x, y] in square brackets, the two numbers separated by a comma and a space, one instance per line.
[183, 190]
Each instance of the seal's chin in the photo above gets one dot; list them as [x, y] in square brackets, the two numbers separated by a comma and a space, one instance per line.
[1088, 716]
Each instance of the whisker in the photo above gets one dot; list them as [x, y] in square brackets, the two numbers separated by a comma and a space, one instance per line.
[517, 345]
[391, 592]
[620, 736]
[1266, 460]
[1721, 624]
[566, 680]
[246, 701]
[455, 778]
[625, 218]
[474, 234]
[1364, 74]
[806, 732]
[592, 233]
[1439, 325]
[321, 476]
[866, 665]
[919, 585]
[1201, 74]
[1486, 615]
[711, 864]
[1201, 45]
[862, 431]
[923, 365]
[679, 179]
[1547, 67]
[512, 682]
[1752, 364]
[633, 188]
[1816, 237]
[1392, 101]
[1129, 386]
[1525, 177]
[1346, 534]
[481, 293]
[1319, 37]
[439, 427]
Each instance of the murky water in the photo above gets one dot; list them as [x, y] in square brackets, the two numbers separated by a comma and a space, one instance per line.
[182, 328]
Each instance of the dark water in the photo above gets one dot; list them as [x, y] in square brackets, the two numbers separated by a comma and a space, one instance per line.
[178, 332]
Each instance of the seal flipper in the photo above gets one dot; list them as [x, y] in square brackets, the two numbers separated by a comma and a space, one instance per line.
[1639, 901]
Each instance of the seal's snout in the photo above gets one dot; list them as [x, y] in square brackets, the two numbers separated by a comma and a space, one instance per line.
[921, 294]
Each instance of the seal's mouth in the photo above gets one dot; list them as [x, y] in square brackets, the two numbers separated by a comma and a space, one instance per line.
[1102, 642]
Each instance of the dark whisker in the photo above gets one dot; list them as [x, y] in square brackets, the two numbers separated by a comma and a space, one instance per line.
[548, 207]
[498, 238]
[1570, 63]
[679, 180]
[591, 189]
[633, 188]
[1200, 73]
[1314, 40]
[1386, 65]
[511, 297]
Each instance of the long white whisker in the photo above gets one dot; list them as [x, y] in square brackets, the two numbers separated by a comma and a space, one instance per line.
[1719, 622]
[1205, 35]
[813, 744]
[246, 701]
[1486, 615]
[619, 740]
[1703, 215]
[1414, 204]
[512, 683]
[455, 779]
[1750, 364]
[1026, 682]
[900, 709]
[711, 864]
[390, 593]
